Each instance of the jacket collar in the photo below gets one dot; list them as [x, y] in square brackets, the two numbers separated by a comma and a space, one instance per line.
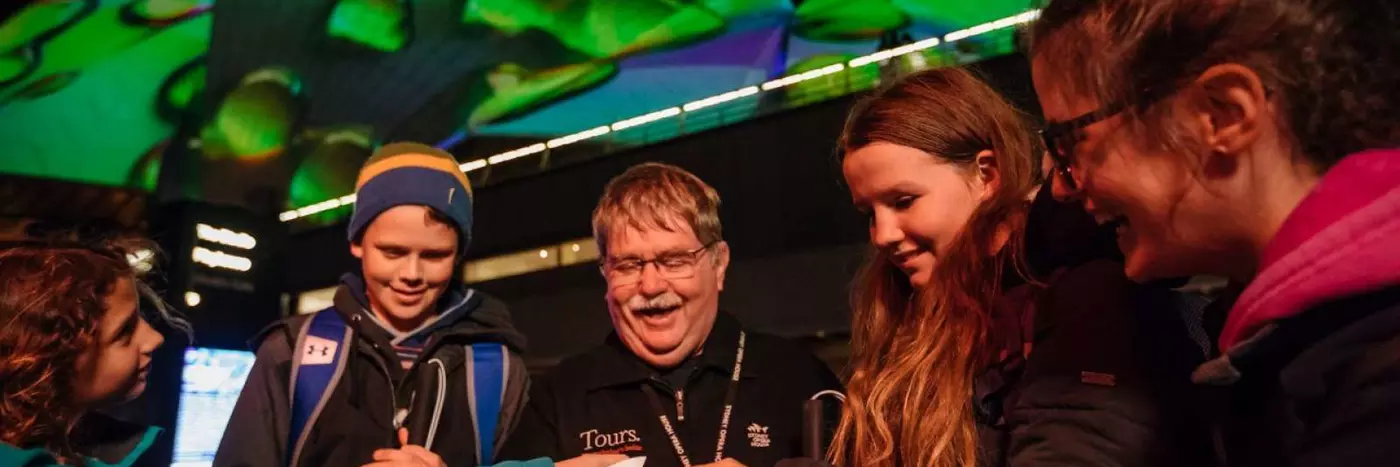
[1340, 240]
[352, 300]
[111, 441]
[619, 366]
[1273, 346]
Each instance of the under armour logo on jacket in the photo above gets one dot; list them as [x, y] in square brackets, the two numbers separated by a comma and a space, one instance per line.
[318, 351]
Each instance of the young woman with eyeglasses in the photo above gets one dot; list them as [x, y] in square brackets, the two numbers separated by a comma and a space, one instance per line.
[956, 359]
[1251, 139]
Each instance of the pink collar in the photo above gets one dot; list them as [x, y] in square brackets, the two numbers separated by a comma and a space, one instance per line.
[1342, 239]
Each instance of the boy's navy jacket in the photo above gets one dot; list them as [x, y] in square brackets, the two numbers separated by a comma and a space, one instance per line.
[360, 414]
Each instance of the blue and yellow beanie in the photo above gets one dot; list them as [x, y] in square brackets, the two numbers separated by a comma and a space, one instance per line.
[412, 173]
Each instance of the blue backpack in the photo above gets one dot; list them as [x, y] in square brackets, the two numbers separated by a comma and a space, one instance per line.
[322, 348]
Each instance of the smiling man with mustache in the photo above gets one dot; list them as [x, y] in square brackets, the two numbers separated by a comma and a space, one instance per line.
[679, 381]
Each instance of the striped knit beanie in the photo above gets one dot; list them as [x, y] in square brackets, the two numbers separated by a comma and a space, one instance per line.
[412, 173]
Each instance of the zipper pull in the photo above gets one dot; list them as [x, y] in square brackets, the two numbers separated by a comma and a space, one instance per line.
[680, 405]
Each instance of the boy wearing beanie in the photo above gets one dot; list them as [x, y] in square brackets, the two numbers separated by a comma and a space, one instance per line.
[409, 366]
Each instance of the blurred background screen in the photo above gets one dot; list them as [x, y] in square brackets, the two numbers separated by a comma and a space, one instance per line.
[212, 380]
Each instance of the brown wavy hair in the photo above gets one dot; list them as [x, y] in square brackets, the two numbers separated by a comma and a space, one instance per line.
[1330, 64]
[50, 308]
[915, 353]
[652, 194]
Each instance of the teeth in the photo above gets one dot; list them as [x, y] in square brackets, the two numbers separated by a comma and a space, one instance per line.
[1105, 219]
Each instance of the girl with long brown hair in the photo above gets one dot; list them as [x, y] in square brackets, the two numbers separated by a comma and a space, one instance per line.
[957, 360]
[73, 339]
[1254, 140]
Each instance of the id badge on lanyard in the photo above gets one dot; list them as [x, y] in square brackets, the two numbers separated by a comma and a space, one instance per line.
[723, 421]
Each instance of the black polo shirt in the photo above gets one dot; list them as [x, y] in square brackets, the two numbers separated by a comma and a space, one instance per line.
[594, 403]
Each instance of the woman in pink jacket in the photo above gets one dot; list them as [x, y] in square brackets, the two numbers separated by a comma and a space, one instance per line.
[1254, 140]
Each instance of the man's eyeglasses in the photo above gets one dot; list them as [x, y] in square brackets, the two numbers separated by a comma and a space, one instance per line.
[1061, 137]
[670, 265]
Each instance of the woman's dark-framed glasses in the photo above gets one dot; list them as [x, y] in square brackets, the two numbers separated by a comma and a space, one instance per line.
[1060, 138]
[670, 265]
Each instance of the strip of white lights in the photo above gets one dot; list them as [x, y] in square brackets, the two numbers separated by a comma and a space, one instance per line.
[219, 259]
[516, 154]
[473, 165]
[895, 52]
[645, 119]
[576, 137]
[992, 26]
[720, 99]
[663, 114]
[224, 236]
[800, 77]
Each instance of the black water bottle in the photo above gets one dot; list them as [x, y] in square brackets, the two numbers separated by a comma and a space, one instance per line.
[818, 423]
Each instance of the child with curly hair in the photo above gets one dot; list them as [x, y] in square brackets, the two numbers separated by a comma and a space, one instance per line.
[73, 339]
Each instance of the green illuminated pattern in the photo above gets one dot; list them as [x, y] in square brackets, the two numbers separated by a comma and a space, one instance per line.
[913, 55]
[146, 172]
[149, 175]
[14, 64]
[989, 45]
[690, 23]
[164, 11]
[36, 20]
[960, 14]
[255, 120]
[604, 29]
[87, 109]
[377, 24]
[329, 168]
[829, 86]
[43, 86]
[740, 8]
[517, 91]
[737, 9]
[599, 28]
[847, 19]
[98, 36]
[65, 64]
[22, 37]
[186, 86]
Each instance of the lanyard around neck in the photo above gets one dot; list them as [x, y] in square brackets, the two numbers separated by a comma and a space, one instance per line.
[724, 419]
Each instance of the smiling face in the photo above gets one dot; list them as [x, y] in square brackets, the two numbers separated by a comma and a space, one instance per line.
[664, 311]
[114, 368]
[1176, 212]
[407, 259]
[916, 203]
[1219, 143]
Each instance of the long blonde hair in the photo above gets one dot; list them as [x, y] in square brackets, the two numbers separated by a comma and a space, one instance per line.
[915, 353]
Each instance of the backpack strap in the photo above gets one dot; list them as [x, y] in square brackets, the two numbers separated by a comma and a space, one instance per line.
[487, 372]
[322, 347]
